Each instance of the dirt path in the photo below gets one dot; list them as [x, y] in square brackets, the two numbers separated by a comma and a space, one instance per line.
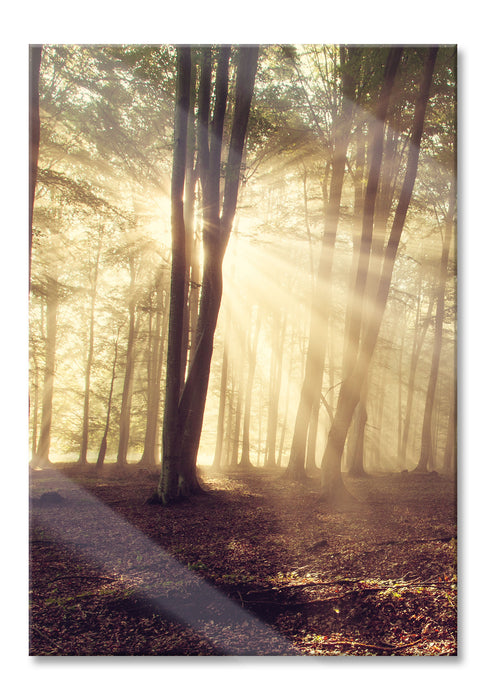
[258, 566]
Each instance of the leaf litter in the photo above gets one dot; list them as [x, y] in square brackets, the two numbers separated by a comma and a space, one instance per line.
[257, 566]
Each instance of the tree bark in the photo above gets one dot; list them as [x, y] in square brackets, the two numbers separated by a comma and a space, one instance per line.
[104, 440]
[184, 415]
[122, 457]
[426, 447]
[245, 461]
[418, 342]
[35, 56]
[154, 372]
[52, 303]
[333, 489]
[83, 452]
[216, 231]
[314, 363]
[168, 482]
[278, 337]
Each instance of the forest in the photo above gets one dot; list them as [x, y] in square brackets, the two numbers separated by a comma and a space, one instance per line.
[242, 350]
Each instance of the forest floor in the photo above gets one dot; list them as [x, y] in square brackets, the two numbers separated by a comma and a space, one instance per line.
[258, 566]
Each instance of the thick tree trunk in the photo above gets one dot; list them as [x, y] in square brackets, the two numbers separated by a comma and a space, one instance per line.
[216, 233]
[332, 484]
[184, 416]
[168, 482]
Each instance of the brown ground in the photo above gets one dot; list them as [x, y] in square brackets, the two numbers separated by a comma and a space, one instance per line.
[375, 578]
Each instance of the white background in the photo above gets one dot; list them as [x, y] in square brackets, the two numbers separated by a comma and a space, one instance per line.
[251, 21]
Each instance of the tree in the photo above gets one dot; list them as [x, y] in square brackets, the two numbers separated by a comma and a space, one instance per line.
[89, 359]
[104, 440]
[312, 384]
[332, 484]
[426, 449]
[52, 305]
[183, 412]
[35, 55]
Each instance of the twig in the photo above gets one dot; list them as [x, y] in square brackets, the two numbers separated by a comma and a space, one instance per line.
[419, 541]
[88, 576]
[308, 584]
[369, 646]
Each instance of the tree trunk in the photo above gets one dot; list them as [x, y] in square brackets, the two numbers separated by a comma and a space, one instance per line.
[245, 461]
[104, 440]
[83, 452]
[52, 302]
[275, 387]
[426, 448]
[450, 453]
[418, 342]
[377, 146]
[183, 417]
[149, 456]
[35, 56]
[122, 456]
[333, 489]
[168, 482]
[222, 396]
[314, 364]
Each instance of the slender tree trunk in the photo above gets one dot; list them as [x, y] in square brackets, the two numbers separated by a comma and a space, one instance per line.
[426, 449]
[104, 440]
[245, 461]
[418, 342]
[149, 456]
[274, 389]
[356, 446]
[35, 56]
[35, 409]
[332, 484]
[222, 396]
[52, 302]
[83, 452]
[235, 442]
[450, 452]
[122, 456]
[376, 158]
[188, 338]
[314, 364]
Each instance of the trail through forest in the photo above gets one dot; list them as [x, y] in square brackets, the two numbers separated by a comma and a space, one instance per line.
[257, 566]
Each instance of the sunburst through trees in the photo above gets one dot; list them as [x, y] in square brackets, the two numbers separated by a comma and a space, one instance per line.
[321, 181]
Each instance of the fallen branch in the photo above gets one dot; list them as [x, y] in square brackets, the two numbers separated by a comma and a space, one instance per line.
[419, 541]
[340, 581]
[308, 584]
[84, 576]
[369, 646]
